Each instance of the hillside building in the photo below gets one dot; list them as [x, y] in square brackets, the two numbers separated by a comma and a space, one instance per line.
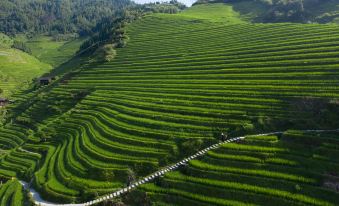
[46, 80]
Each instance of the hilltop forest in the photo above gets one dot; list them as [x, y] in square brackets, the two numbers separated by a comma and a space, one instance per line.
[65, 16]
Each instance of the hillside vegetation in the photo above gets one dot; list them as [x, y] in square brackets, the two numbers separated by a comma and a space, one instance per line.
[213, 12]
[57, 18]
[5, 41]
[53, 52]
[293, 169]
[17, 67]
[12, 194]
[300, 11]
[179, 81]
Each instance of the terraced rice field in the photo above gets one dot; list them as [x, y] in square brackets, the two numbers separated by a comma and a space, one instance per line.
[7, 87]
[293, 169]
[180, 79]
[11, 193]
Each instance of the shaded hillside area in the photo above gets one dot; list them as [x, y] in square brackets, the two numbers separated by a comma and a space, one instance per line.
[298, 11]
[179, 82]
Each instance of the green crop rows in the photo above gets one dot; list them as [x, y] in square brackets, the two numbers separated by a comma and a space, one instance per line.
[268, 170]
[12, 193]
[179, 79]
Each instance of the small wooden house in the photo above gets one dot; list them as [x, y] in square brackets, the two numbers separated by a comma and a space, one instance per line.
[46, 80]
[3, 102]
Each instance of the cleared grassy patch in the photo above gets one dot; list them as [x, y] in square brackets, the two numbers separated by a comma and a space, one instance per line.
[18, 69]
[53, 52]
[214, 12]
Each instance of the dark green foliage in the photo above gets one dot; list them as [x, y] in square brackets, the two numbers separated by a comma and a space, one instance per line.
[319, 113]
[287, 11]
[171, 7]
[24, 121]
[192, 146]
[143, 169]
[61, 17]
[137, 198]
[110, 30]
[131, 177]
[79, 95]
[21, 46]
[46, 134]
[105, 53]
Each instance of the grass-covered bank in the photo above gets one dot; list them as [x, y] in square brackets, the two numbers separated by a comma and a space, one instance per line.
[47, 55]
[53, 52]
[18, 69]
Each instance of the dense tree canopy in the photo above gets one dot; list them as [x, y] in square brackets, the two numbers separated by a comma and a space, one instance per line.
[110, 30]
[55, 16]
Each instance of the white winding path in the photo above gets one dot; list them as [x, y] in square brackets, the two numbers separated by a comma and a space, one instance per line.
[23, 150]
[40, 202]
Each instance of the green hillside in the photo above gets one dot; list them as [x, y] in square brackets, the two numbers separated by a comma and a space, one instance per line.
[213, 12]
[18, 69]
[299, 11]
[179, 82]
[53, 52]
[293, 169]
[5, 41]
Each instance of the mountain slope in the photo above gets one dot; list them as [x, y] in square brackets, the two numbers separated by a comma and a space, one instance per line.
[214, 12]
[178, 83]
[18, 69]
[299, 11]
[296, 168]
[53, 52]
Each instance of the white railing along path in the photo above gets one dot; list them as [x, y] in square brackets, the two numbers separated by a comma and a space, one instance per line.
[39, 201]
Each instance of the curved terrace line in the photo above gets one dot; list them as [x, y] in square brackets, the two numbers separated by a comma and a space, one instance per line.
[39, 201]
